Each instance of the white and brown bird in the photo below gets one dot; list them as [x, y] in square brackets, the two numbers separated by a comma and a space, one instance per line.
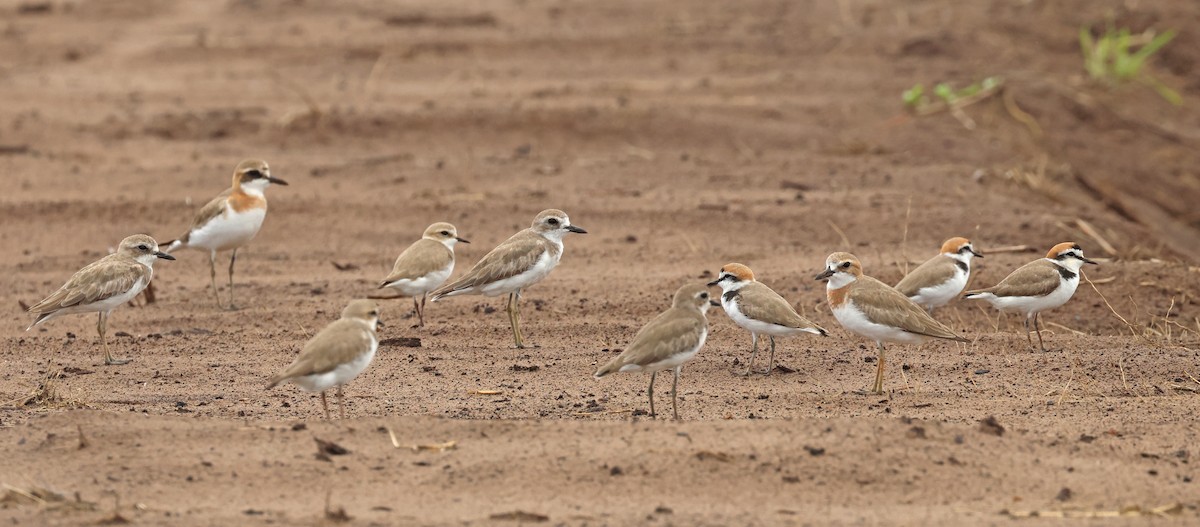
[674, 337]
[759, 309]
[103, 285]
[424, 266]
[941, 278]
[875, 310]
[337, 354]
[230, 220]
[521, 261]
[1039, 285]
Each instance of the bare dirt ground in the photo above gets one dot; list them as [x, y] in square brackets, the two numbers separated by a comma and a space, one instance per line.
[682, 135]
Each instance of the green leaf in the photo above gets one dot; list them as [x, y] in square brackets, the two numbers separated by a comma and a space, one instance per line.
[912, 96]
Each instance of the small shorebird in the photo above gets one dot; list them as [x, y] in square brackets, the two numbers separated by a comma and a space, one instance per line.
[230, 220]
[941, 278]
[424, 265]
[758, 309]
[337, 354]
[668, 341]
[521, 261]
[103, 285]
[874, 310]
[1039, 285]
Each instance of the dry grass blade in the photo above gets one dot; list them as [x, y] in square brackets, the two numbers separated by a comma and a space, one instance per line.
[845, 240]
[486, 392]
[604, 412]
[1095, 235]
[1010, 104]
[1011, 249]
[1172, 509]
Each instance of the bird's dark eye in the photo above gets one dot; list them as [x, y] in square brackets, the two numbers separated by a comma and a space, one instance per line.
[704, 295]
[254, 174]
[143, 247]
[845, 265]
[374, 313]
[552, 221]
[445, 233]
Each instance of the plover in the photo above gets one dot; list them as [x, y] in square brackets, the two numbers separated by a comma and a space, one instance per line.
[424, 265]
[521, 261]
[758, 309]
[1039, 285]
[941, 278]
[875, 310]
[337, 354]
[103, 285]
[667, 342]
[230, 220]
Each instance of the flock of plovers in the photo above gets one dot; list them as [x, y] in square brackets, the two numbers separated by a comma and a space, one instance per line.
[342, 350]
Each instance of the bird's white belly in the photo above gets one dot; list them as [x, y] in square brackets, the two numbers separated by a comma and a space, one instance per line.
[229, 230]
[1029, 305]
[424, 284]
[855, 321]
[340, 375]
[532, 276]
[758, 326]
[941, 294]
[671, 362]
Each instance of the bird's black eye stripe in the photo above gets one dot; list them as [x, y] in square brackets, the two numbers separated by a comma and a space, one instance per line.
[254, 174]
[965, 248]
[845, 265]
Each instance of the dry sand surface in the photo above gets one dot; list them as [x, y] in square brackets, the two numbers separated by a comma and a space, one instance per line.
[682, 135]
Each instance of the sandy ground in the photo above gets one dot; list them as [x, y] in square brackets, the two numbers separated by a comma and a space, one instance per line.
[683, 136]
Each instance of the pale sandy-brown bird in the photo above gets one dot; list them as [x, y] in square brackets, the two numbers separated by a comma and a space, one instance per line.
[875, 310]
[103, 285]
[759, 309]
[1037, 286]
[230, 220]
[941, 278]
[424, 266]
[667, 342]
[521, 261]
[337, 354]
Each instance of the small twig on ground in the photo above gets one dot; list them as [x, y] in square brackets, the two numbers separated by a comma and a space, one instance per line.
[1095, 235]
[838, 230]
[1011, 249]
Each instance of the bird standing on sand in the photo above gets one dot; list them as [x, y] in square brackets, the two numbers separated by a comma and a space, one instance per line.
[424, 266]
[759, 309]
[103, 285]
[230, 220]
[875, 310]
[521, 261]
[941, 278]
[1042, 284]
[337, 354]
[667, 342]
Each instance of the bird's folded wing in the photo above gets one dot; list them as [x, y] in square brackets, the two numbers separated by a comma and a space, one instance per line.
[420, 259]
[760, 302]
[884, 305]
[337, 344]
[100, 280]
[210, 210]
[1037, 278]
[937, 270]
[670, 334]
[511, 258]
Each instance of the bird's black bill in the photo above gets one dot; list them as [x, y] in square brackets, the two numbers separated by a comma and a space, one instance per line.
[461, 240]
[1085, 260]
[714, 303]
[380, 323]
[277, 181]
[573, 228]
[824, 274]
[164, 256]
[714, 282]
[977, 255]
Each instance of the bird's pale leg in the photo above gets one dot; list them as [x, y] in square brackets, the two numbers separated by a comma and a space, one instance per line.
[421, 312]
[674, 386]
[212, 274]
[1028, 337]
[417, 310]
[771, 362]
[512, 320]
[325, 405]
[232, 258]
[1038, 329]
[102, 329]
[879, 370]
[650, 392]
[517, 319]
[341, 404]
[753, 352]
